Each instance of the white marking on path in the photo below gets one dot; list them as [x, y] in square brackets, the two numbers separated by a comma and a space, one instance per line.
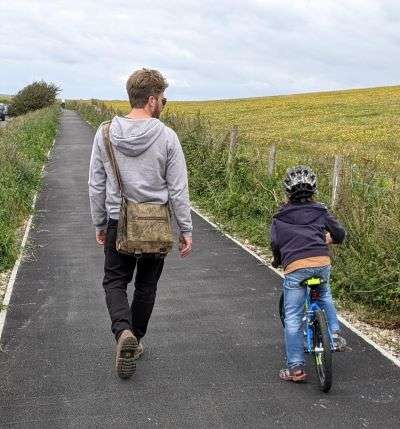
[345, 322]
[14, 272]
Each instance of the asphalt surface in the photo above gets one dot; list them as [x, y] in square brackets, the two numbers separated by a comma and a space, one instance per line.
[214, 346]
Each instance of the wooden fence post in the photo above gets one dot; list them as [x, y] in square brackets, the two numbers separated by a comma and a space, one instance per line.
[217, 143]
[232, 145]
[337, 180]
[272, 161]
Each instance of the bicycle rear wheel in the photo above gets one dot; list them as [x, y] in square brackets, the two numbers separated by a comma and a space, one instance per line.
[282, 309]
[322, 351]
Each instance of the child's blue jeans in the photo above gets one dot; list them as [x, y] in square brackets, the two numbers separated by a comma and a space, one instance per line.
[295, 296]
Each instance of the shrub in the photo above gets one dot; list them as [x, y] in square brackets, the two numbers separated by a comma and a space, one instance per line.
[35, 96]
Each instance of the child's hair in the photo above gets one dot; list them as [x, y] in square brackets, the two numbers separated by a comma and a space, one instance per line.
[300, 184]
[295, 199]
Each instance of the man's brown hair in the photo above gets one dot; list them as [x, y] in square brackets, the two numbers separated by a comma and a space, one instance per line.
[142, 84]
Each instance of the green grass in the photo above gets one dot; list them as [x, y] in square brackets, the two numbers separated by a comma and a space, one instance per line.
[366, 269]
[5, 99]
[366, 272]
[24, 144]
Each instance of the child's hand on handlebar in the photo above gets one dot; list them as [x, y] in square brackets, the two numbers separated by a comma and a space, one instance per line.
[328, 238]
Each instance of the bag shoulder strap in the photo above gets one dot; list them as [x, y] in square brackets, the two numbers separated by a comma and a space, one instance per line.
[110, 153]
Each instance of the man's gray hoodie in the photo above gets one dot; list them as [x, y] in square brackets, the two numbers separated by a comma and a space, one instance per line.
[152, 166]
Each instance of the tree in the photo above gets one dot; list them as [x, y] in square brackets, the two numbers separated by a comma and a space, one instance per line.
[34, 96]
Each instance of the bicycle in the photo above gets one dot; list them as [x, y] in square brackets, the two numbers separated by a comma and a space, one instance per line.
[319, 340]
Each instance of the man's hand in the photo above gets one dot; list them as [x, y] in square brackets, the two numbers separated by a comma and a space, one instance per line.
[101, 237]
[185, 245]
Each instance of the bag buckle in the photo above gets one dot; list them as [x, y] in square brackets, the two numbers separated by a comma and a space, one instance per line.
[163, 252]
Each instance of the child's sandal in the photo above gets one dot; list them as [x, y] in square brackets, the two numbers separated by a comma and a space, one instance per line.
[297, 376]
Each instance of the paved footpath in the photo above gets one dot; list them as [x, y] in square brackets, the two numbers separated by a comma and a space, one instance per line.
[214, 346]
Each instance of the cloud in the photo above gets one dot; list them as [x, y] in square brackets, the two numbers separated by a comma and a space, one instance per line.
[206, 49]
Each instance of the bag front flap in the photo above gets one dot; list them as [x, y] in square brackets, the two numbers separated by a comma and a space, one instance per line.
[147, 211]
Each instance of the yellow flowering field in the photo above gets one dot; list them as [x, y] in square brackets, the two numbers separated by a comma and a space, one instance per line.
[361, 123]
[307, 128]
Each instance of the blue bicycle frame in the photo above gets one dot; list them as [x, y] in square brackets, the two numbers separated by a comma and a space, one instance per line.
[311, 308]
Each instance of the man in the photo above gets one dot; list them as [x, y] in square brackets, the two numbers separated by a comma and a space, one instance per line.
[153, 170]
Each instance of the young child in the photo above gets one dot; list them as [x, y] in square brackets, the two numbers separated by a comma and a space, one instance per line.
[300, 234]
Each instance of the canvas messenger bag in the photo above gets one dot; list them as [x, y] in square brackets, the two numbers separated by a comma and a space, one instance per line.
[142, 227]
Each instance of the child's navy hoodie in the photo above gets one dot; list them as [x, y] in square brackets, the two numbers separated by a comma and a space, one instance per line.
[298, 232]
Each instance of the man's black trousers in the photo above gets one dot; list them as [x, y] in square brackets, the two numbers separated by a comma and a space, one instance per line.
[118, 272]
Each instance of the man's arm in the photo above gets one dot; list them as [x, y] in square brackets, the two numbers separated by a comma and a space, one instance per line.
[178, 190]
[97, 189]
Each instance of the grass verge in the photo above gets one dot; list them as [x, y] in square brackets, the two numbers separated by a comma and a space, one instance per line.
[24, 144]
[243, 198]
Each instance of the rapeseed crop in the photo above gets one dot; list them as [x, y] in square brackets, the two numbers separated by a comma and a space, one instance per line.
[363, 124]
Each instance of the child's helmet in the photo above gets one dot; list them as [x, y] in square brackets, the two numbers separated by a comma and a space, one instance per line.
[300, 182]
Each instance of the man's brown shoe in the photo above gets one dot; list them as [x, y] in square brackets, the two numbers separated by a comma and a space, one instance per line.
[125, 359]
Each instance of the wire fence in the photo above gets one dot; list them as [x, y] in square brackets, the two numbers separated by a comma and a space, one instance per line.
[240, 183]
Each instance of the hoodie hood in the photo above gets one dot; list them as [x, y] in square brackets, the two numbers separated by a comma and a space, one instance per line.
[132, 137]
[300, 214]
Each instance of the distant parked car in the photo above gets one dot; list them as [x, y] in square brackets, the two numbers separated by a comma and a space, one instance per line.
[3, 111]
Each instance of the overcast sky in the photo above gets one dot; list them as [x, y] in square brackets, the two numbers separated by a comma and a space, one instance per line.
[206, 48]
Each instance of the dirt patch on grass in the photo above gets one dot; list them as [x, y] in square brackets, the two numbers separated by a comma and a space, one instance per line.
[5, 275]
[4, 278]
[388, 339]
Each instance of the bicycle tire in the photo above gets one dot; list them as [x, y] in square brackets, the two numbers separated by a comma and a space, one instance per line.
[282, 309]
[322, 359]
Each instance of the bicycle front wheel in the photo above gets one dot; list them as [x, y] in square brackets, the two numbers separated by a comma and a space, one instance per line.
[322, 351]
